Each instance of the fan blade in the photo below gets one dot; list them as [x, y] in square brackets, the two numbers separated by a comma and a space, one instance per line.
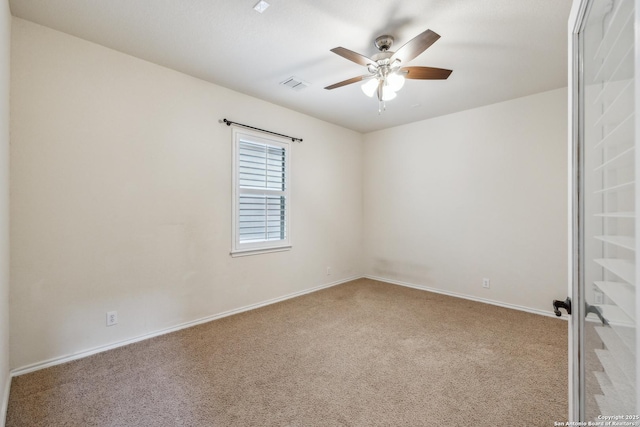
[349, 81]
[353, 56]
[415, 46]
[425, 73]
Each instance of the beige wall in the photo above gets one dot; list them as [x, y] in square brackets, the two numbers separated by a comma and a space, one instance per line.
[121, 198]
[121, 188]
[5, 43]
[472, 195]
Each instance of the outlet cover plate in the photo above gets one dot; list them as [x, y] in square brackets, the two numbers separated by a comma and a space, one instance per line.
[112, 318]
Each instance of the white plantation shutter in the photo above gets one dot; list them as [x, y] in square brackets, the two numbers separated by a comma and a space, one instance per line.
[261, 193]
[262, 218]
[609, 215]
[262, 213]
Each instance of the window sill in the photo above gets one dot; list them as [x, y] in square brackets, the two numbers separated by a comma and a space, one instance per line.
[258, 251]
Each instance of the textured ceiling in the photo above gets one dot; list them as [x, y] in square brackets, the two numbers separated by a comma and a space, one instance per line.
[497, 49]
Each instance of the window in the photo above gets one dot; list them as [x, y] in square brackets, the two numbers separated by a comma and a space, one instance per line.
[261, 202]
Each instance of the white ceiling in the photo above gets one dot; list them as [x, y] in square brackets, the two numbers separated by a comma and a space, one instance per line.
[497, 49]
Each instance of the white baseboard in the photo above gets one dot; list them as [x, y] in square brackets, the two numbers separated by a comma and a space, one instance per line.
[5, 401]
[467, 297]
[79, 355]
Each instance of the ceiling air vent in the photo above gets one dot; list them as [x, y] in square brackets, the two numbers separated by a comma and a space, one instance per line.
[295, 83]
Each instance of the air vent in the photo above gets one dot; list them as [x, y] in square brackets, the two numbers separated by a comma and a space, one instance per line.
[295, 83]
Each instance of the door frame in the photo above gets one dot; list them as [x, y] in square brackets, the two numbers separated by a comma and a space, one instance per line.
[637, 162]
[575, 92]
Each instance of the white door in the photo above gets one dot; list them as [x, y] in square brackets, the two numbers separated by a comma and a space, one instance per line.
[603, 356]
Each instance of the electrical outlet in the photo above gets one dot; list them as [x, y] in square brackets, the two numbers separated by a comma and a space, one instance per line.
[486, 283]
[328, 271]
[112, 318]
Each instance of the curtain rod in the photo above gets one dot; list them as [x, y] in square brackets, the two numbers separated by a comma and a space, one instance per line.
[229, 123]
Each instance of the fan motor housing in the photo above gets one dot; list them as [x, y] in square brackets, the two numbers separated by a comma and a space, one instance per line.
[383, 43]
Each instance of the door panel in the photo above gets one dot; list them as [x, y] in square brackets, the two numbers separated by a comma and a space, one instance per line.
[604, 220]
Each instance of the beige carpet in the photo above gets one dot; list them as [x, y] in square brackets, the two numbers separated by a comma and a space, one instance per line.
[364, 353]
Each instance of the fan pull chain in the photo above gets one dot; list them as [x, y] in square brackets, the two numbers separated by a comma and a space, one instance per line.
[382, 106]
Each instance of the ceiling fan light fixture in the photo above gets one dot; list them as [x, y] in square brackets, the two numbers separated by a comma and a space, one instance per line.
[395, 81]
[387, 93]
[369, 88]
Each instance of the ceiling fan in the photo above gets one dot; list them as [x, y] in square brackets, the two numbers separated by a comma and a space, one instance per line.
[387, 70]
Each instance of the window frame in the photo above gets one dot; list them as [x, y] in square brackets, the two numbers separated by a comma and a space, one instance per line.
[264, 246]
